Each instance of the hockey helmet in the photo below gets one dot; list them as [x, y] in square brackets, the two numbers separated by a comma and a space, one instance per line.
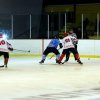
[65, 34]
[56, 36]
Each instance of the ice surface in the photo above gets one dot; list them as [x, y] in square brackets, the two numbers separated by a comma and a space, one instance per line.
[26, 79]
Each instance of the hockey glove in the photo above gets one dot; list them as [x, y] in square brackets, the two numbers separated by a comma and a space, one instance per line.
[60, 45]
[11, 49]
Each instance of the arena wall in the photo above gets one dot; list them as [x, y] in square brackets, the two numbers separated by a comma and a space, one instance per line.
[85, 47]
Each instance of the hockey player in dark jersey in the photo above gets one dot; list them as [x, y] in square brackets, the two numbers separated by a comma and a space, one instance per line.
[52, 47]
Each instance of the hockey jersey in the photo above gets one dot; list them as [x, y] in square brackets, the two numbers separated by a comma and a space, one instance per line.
[4, 45]
[54, 43]
[68, 42]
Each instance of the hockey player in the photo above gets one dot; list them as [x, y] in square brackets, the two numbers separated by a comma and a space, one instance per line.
[71, 32]
[4, 49]
[52, 47]
[68, 46]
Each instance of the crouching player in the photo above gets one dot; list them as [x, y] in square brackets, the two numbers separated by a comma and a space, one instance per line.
[4, 50]
[68, 46]
[52, 47]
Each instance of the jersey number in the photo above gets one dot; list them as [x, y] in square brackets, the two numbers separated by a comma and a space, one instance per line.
[2, 42]
[67, 40]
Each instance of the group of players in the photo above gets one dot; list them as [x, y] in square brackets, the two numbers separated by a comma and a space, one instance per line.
[69, 45]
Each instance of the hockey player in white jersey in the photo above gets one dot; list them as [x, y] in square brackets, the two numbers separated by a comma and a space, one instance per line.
[4, 49]
[68, 46]
[71, 32]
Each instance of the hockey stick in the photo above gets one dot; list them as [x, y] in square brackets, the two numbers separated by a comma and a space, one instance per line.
[54, 54]
[21, 50]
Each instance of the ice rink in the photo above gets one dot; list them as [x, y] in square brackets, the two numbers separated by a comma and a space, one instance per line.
[26, 79]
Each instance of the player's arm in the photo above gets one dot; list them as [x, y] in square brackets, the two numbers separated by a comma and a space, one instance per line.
[74, 40]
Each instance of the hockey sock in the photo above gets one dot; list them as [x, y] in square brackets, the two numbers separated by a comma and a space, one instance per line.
[58, 56]
[77, 56]
[5, 61]
[43, 57]
[61, 57]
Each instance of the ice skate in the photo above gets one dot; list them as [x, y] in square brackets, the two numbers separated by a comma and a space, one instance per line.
[79, 62]
[5, 66]
[65, 61]
[42, 61]
[57, 61]
[1, 66]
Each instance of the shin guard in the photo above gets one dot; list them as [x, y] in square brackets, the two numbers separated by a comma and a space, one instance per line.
[77, 57]
[61, 57]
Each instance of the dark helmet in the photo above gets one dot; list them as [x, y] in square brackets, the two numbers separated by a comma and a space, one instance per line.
[71, 31]
[56, 36]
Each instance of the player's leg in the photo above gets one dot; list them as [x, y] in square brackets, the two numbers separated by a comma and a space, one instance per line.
[76, 55]
[6, 62]
[62, 56]
[78, 58]
[6, 58]
[67, 57]
[76, 50]
[1, 53]
[57, 53]
[45, 53]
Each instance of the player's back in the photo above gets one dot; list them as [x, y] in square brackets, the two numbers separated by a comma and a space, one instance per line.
[3, 45]
[54, 43]
[67, 42]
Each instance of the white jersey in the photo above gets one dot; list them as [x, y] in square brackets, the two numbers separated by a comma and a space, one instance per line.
[3, 45]
[68, 42]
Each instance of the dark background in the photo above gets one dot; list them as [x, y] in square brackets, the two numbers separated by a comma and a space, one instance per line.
[21, 11]
[34, 6]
